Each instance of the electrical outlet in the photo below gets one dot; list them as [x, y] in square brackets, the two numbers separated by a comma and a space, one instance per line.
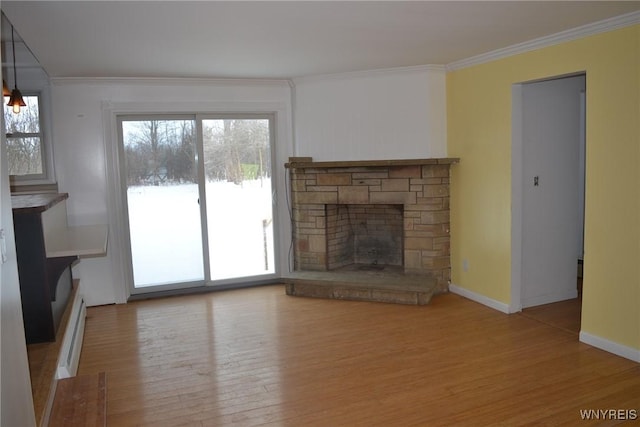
[465, 265]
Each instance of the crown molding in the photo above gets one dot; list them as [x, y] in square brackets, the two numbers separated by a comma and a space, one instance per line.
[167, 81]
[605, 25]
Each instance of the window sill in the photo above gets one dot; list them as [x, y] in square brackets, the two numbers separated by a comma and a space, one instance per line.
[34, 188]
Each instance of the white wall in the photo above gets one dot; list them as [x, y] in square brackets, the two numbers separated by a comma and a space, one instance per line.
[15, 391]
[388, 114]
[84, 136]
[382, 114]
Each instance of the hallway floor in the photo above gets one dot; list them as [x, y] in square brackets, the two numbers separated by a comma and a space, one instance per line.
[564, 315]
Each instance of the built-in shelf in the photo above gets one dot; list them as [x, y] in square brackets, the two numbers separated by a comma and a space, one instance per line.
[46, 249]
[25, 203]
[60, 239]
[80, 241]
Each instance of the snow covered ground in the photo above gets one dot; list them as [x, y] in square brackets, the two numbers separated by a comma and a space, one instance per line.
[165, 228]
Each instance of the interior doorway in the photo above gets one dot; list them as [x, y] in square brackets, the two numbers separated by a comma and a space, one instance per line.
[548, 158]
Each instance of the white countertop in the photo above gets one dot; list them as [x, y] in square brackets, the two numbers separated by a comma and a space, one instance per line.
[81, 241]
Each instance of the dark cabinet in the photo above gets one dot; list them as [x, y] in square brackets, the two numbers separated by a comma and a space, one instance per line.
[45, 283]
[46, 249]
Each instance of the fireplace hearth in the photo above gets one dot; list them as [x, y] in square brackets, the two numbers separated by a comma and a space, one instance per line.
[370, 230]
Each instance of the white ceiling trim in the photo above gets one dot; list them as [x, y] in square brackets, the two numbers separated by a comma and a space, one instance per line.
[166, 81]
[605, 25]
[366, 73]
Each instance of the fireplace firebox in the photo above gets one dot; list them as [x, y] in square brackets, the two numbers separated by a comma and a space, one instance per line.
[369, 236]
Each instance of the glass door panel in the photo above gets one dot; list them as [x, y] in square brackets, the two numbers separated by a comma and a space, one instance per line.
[162, 196]
[237, 169]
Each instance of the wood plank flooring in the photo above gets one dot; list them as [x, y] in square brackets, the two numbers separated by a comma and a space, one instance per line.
[564, 314]
[80, 401]
[258, 357]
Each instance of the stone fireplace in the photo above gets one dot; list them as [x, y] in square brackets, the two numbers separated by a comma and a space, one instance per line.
[379, 221]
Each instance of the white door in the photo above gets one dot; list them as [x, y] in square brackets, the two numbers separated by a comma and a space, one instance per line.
[551, 234]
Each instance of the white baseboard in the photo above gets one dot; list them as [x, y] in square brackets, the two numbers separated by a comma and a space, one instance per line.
[610, 346]
[550, 298]
[69, 356]
[473, 296]
[585, 337]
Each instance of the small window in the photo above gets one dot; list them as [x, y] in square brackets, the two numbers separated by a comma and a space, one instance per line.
[25, 142]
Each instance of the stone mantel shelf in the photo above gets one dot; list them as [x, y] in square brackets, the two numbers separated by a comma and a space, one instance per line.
[308, 163]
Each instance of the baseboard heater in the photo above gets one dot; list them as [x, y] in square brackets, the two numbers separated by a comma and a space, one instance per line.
[72, 341]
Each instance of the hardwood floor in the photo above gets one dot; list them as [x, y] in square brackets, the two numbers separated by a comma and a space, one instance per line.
[258, 357]
[80, 401]
[564, 314]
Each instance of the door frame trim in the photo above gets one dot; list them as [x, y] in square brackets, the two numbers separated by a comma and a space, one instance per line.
[517, 178]
[517, 182]
[116, 210]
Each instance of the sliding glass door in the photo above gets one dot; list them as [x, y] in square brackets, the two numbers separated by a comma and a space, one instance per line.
[165, 230]
[237, 168]
[199, 199]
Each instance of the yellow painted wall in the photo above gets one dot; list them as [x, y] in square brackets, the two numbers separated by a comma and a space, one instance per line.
[479, 132]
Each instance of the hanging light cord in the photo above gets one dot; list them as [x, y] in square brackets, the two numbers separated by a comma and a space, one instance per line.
[13, 47]
[16, 100]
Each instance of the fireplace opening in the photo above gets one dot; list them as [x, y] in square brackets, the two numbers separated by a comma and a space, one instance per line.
[365, 237]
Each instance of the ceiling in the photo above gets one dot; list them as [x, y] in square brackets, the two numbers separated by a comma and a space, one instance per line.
[265, 39]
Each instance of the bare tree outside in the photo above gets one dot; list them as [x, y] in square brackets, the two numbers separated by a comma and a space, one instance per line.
[159, 151]
[24, 138]
[236, 150]
[163, 151]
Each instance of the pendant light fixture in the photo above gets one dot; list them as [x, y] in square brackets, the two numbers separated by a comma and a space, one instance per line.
[15, 100]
